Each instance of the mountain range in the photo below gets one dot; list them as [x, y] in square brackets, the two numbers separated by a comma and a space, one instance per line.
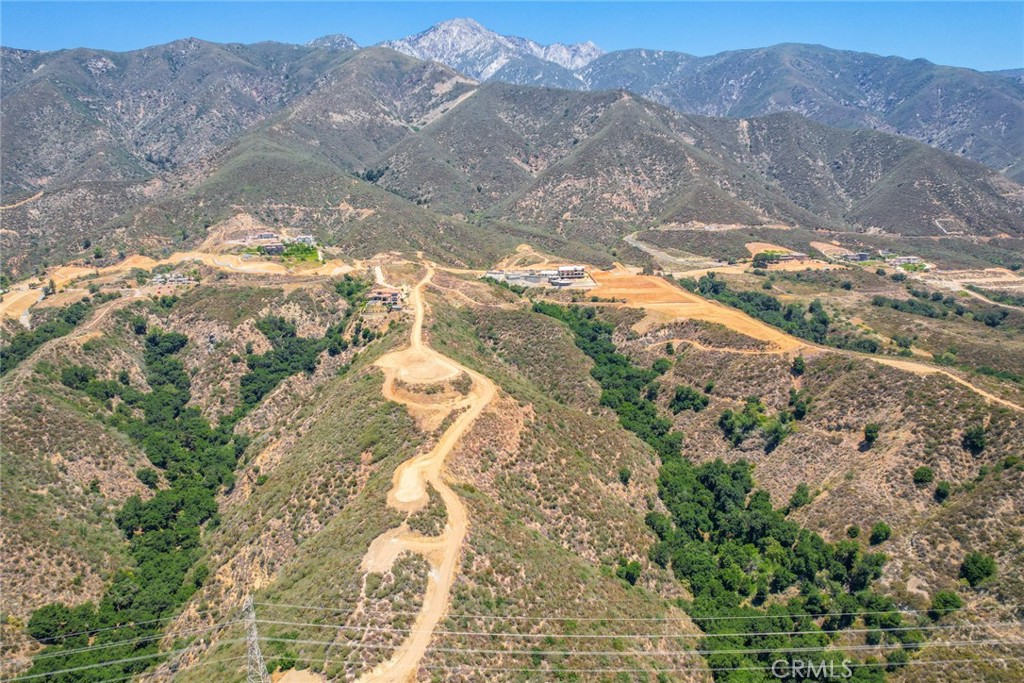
[977, 115]
[370, 146]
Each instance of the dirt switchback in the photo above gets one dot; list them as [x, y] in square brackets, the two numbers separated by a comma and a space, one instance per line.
[420, 364]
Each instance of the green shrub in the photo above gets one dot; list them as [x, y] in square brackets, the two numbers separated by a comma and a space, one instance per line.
[977, 567]
[661, 366]
[942, 491]
[871, 431]
[624, 474]
[880, 533]
[686, 398]
[801, 496]
[799, 366]
[943, 603]
[628, 571]
[975, 438]
[923, 476]
[148, 476]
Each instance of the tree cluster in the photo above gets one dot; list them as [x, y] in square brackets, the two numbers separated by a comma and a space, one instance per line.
[811, 322]
[163, 532]
[731, 546]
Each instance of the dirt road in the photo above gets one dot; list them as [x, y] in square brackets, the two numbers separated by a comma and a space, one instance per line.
[922, 369]
[665, 302]
[420, 364]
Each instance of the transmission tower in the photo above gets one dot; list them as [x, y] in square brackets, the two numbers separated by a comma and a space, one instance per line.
[256, 668]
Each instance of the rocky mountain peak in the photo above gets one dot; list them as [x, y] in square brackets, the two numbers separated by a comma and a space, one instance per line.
[335, 41]
[477, 51]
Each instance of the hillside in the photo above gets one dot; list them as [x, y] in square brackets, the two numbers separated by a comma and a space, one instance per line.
[597, 164]
[973, 114]
[92, 115]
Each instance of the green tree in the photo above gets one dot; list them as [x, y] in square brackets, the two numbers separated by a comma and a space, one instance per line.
[975, 438]
[880, 533]
[942, 491]
[624, 474]
[686, 398]
[148, 476]
[801, 496]
[49, 622]
[977, 567]
[661, 366]
[799, 366]
[628, 571]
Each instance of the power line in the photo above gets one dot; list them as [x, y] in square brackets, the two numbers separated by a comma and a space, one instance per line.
[132, 624]
[681, 617]
[658, 653]
[117, 643]
[123, 660]
[852, 665]
[610, 636]
[150, 674]
[616, 653]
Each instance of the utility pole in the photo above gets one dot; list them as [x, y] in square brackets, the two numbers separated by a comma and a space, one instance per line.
[256, 668]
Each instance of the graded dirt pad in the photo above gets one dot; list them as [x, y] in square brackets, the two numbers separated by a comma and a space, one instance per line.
[829, 249]
[664, 302]
[807, 264]
[17, 302]
[235, 228]
[524, 257]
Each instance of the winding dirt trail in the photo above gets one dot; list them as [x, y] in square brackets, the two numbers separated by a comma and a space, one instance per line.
[420, 364]
[720, 349]
[15, 205]
[923, 370]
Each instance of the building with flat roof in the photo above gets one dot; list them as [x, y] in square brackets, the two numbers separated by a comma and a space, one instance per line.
[572, 272]
[389, 296]
[792, 256]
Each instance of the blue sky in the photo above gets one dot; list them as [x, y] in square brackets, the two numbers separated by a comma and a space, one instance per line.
[979, 35]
